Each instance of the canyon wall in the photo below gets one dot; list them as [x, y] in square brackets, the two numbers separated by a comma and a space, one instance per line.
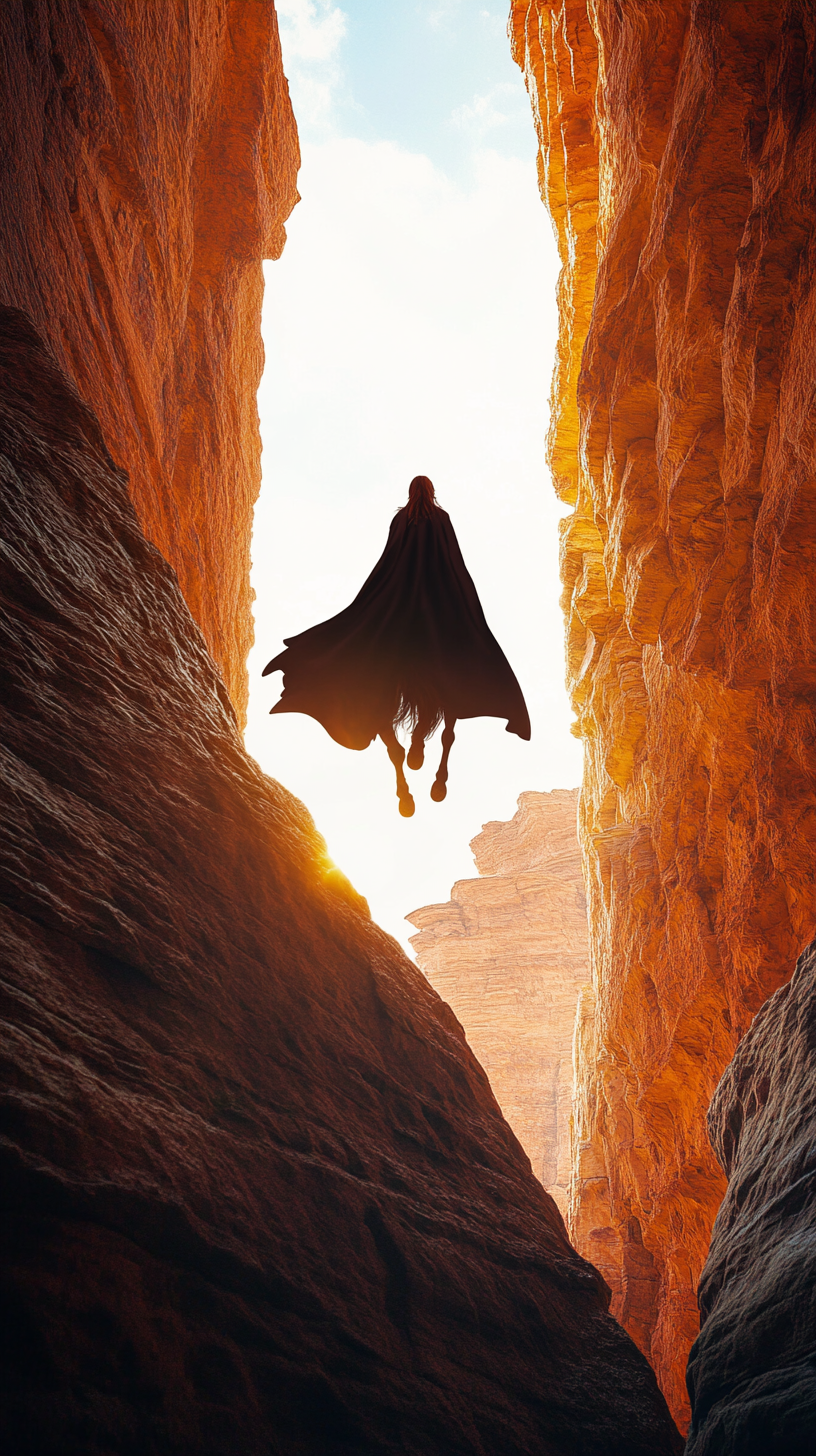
[149, 162]
[509, 954]
[677, 158]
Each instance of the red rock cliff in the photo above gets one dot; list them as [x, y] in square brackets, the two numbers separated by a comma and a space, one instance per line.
[509, 955]
[149, 162]
[678, 161]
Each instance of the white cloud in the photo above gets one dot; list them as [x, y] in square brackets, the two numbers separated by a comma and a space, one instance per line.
[311, 35]
[439, 14]
[497, 108]
[437, 17]
[312, 29]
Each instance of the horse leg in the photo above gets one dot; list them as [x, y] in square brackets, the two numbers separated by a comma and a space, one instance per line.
[396, 753]
[416, 753]
[439, 789]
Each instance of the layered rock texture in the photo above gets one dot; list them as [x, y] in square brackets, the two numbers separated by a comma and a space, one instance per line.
[149, 161]
[678, 159]
[509, 955]
[752, 1372]
[258, 1196]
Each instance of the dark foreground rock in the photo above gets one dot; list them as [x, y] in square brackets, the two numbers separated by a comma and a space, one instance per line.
[258, 1196]
[752, 1372]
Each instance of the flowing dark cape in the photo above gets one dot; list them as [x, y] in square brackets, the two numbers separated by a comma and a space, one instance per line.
[415, 632]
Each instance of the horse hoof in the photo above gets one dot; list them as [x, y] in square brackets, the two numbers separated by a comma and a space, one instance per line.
[439, 792]
[416, 758]
[406, 807]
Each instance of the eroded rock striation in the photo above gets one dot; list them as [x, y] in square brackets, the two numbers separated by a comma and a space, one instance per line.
[149, 162]
[258, 1196]
[678, 159]
[509, 955]
[752, 1373]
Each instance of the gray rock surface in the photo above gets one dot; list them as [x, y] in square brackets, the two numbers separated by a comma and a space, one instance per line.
[752, 1371]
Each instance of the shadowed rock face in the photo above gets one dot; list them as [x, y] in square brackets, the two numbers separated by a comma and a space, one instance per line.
[752, 1373]
[149, 163]
[258, 1196]
[678, 158]
[509, 954]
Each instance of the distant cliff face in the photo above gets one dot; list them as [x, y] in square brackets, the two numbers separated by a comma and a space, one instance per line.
[509, 954]
[678, 159]
[149, 162]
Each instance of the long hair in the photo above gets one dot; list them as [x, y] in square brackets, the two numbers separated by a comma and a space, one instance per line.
[421, 499]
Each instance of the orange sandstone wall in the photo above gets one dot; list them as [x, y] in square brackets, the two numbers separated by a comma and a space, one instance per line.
[509, 954]
[150, 158]
[678, 159]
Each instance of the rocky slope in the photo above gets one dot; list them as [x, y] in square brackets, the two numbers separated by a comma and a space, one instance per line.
[678, 159]
[258, 1196]
[751, 1372]
[509, 955]
[150, 159]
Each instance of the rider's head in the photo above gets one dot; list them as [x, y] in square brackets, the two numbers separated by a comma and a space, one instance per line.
[421, 498]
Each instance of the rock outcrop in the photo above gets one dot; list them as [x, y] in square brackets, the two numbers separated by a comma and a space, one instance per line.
[258, 1195]
[149, 162]
[678, 159]
[752, 1374]
[509, 954]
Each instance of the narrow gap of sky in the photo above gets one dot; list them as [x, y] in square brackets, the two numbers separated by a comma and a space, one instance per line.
[436, 78]
[409, 329]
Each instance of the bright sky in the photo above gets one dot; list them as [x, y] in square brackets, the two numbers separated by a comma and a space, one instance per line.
[409, 329]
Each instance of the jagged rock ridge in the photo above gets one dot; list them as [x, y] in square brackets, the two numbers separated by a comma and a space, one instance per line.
[678, 159]
[509, 955]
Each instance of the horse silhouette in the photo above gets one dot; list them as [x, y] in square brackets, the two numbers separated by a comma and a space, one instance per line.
[413, 650]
